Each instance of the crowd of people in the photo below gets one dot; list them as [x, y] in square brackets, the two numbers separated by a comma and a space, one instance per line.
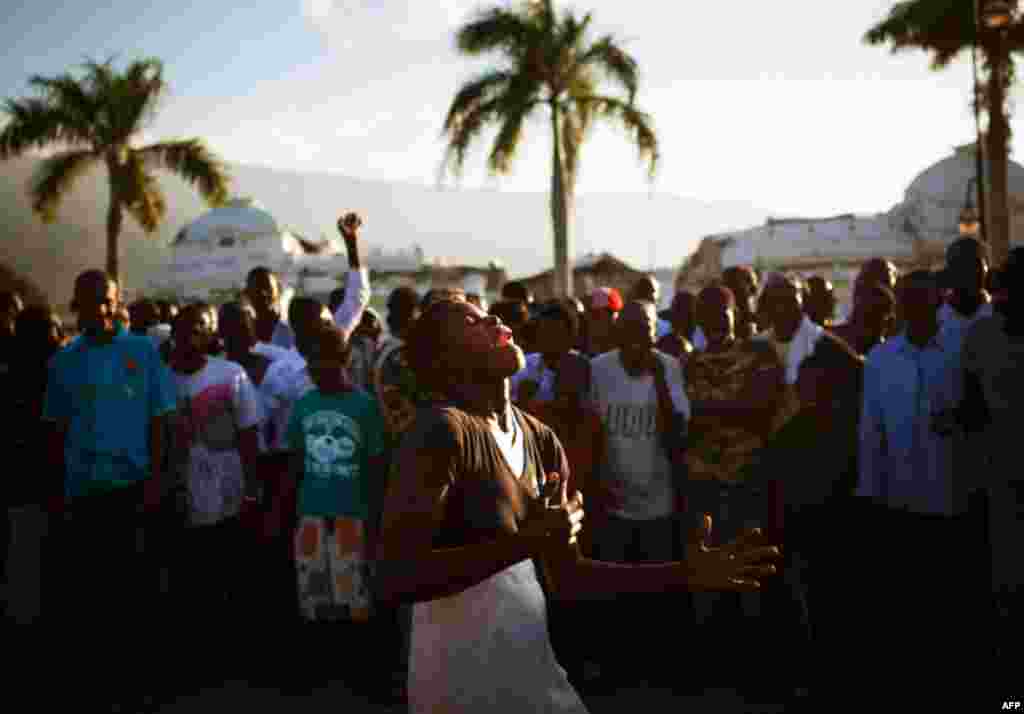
[773, 501]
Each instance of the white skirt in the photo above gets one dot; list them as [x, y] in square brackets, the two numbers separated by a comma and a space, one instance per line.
[486, 650]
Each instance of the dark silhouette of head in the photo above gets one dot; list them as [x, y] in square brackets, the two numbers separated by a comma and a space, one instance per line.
[556, 329]
[646, 289]
[878, 270]
[336, 298]
[39, 333]
[742, 281]
[238, 327]
[966, 267]
[636, 329]
[96, 301]
[305, 315]
[918, 297]
[716, 315]
[516, 290]
[143, 314]
[781, 305]
[327, 356]
[820, 302]
[683, 313]
[403, 309]
[263, 290]
[10, 306]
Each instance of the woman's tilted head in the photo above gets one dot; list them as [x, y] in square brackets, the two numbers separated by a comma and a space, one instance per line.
[456, 342]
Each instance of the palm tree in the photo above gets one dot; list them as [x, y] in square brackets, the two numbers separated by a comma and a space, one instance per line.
[547, 63]
[93, 120]
[945, 28]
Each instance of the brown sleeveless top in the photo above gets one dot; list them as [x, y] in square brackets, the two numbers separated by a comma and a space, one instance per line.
[485, 499]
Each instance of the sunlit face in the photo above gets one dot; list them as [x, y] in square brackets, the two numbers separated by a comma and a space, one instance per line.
[192, 334]
[96, 303]
[480, 343]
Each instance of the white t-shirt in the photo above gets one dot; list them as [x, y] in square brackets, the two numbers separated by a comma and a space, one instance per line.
[285, 382]
[510, 444]
[635, 469]
[214, 404]
[794, 351]
[273, 352]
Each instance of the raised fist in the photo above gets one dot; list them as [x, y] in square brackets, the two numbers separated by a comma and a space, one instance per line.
[349, 225]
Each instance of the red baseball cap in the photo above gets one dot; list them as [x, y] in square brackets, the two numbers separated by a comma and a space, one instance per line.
[606, 298]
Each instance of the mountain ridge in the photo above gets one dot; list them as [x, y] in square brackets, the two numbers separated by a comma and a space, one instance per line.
[473, 226]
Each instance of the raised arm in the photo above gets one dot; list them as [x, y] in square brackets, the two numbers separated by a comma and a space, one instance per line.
[357, 284]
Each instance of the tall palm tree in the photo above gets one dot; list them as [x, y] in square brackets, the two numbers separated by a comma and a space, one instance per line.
[944, 29]
[547, 64]
[93, 120]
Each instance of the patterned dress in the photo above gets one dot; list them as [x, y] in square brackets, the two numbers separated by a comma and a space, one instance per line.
[333, 573]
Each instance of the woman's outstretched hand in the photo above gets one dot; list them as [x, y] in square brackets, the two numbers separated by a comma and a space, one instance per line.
[738, 566]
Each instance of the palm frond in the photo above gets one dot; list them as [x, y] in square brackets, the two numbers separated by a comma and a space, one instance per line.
[507, 141]
[468, 127]
[637, 124]
[71, 98]
[142, 197]
[138, 91]
[517, 97]
[474, 93]
[192, 161]
[53, 179]
[613, 62]
[35, 123]
[943, 28]
[496, 30]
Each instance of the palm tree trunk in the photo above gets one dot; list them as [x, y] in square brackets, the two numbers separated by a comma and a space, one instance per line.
[998, 139]
[559, 214]
[115, 217]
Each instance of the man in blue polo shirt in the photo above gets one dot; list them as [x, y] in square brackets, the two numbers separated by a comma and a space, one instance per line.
[107, 396]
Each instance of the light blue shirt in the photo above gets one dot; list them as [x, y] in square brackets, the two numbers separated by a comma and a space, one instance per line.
[903, 461]
[107, 395]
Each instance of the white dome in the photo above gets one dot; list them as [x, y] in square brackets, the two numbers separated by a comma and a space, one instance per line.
[239, 217]
[936, 197]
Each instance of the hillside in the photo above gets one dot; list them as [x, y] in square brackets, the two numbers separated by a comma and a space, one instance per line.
[473, 226]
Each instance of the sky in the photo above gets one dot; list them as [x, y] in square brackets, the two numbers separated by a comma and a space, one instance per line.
[778, 104]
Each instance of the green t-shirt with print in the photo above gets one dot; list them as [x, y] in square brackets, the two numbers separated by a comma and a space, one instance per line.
[337, 434]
